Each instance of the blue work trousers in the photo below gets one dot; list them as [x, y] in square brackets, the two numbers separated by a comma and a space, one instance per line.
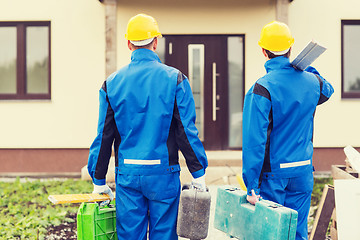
[294, 193]
[147, 203]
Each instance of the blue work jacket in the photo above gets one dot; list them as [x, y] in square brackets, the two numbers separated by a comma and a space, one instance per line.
[278, 119]
[147, 112]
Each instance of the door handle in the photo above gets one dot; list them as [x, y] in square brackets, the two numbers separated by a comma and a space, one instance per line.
[215, 97]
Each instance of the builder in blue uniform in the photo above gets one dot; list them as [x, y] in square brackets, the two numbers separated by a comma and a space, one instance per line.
[147, 113]
[278, 122]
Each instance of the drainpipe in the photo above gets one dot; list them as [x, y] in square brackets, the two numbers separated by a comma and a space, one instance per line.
[110, 35]
[282, 10]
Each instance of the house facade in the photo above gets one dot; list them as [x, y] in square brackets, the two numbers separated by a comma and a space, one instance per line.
[55, 55]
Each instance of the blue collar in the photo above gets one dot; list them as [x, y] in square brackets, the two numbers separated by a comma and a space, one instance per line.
[277, 63]
[143, 54]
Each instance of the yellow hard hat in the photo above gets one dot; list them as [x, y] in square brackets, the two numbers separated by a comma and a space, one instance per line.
[276, 37]
[142, 27]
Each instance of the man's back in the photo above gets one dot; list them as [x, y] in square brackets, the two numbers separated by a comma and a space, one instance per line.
[287, 98]
[294, 97]
[142, 95]
[154, 114]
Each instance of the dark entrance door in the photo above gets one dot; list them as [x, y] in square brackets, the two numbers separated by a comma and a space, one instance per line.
[204, 60]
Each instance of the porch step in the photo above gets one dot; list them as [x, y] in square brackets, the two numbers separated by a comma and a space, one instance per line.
[223, 166]
[220, 158]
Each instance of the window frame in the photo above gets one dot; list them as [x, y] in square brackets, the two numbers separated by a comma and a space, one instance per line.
[346, 94]
[21, 61]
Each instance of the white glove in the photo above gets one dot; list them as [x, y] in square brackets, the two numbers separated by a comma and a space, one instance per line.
[199, 183]
[253, 198]
[103, 189]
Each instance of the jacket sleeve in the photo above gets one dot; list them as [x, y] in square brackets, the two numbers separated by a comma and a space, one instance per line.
[186, 131]
[100, 150]
[256, 122]
[326, 89]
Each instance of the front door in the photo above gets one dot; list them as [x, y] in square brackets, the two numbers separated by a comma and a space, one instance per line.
[204, 59]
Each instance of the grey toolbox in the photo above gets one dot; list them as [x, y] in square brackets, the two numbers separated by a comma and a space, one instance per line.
[194, 212]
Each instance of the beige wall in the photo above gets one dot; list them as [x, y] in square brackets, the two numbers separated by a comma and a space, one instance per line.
[69, 119]
[202, 17]
[77, 71]
[334, 124]
[337, 122]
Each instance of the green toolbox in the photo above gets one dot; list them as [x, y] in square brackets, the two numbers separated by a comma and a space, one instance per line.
[95, 222]
[266, 220]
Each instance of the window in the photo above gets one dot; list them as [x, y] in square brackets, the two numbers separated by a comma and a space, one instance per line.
[235, 59]
[25, 60]
[350, 74]
[196, 68]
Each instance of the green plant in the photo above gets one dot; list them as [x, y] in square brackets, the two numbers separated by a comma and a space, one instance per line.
[25, 211]
[319, 184]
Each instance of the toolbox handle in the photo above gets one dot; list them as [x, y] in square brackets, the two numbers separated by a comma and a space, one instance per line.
[188, 186]
[275, 205]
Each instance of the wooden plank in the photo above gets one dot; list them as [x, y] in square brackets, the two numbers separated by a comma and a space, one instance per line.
[338, 172]
[333, 230]
[348, 166]
[347, 199]
[78, 198]
[353, 157]
[333, 234]
[323, 214]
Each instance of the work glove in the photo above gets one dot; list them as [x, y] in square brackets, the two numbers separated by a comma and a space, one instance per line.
[199, 183]
[253, 198]
[104, 189]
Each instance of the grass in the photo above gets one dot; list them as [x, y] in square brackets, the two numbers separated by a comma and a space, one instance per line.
[26, 213]
[319, 184]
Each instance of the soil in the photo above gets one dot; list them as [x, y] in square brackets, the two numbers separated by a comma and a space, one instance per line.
[63, 231]
[67, 231]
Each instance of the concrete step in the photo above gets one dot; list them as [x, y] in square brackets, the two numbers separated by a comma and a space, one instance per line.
[223, 166]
